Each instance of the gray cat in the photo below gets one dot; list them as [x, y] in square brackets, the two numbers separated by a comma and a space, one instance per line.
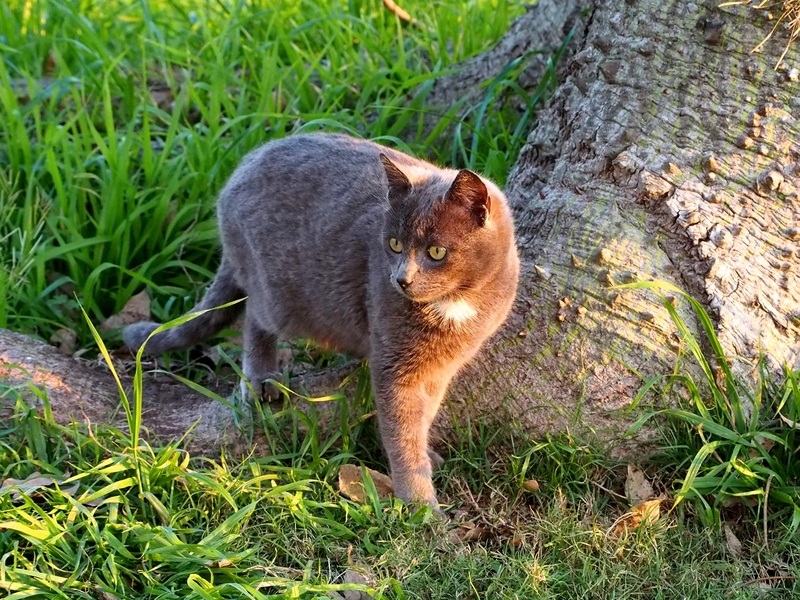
[369, 251]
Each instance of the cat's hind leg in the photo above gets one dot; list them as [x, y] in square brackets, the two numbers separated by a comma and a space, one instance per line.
[260, 361]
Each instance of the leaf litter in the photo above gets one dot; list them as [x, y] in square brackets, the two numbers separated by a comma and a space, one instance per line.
[351, 483]
[645, 507]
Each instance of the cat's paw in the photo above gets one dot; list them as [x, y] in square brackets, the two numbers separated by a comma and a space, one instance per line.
[262, 390]
[135, 335]
[436, 459]
[434, 505]
[417, 493]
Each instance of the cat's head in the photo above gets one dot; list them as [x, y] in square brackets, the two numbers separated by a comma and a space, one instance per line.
[440, 233]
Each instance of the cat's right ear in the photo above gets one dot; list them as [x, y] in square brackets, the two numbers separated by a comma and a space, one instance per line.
[399, 185]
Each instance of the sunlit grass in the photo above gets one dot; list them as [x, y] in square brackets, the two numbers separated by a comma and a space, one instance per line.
[731, 441]
[112, 516]
[120, 120]
[118, 123]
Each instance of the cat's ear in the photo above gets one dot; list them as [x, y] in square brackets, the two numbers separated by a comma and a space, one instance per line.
[469, 190]
[399, 185]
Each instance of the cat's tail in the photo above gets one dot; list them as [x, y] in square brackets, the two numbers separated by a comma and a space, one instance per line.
[224, 289]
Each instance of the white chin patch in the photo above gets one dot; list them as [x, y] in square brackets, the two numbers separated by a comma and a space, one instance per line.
[454, 312]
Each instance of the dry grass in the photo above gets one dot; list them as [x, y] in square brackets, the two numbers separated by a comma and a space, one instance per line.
[789, 13]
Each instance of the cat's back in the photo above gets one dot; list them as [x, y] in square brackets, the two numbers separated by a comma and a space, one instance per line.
[322, 174]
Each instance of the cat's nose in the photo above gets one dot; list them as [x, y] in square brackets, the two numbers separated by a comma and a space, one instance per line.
[404, 281]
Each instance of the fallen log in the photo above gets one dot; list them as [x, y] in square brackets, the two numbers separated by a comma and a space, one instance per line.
[85, 391]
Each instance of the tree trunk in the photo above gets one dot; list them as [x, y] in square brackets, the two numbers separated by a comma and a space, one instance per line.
[670, 152]
[81, 391]
[538, 35]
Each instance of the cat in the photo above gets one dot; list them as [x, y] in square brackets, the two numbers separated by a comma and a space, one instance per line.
[369, 251]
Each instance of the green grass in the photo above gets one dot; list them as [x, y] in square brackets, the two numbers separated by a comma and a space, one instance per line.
[107, 515]
[119, 121]
[732, 442]
[118, 518]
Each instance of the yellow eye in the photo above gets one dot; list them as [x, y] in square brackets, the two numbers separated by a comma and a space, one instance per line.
[396, 245]
[437, 252]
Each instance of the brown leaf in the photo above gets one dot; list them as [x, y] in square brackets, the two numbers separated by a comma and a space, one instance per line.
[135, 310]
[637, 487]
[357, 577]
[351, 483]
[50, 63]
[65, 340]
[766, 444]
[104, 595]
[161, 96]
[646, 512]
[468, 532]
[29, 486]
[220, 564]
[732, 543]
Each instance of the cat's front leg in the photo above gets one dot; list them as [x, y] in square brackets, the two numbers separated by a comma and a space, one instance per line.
[405, 413]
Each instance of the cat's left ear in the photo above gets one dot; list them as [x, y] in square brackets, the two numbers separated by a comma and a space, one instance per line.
[399, 185]
[469, 189]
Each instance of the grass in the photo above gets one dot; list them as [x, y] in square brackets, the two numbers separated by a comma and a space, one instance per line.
[735, 444]
[788, 15]
[100, 513]
[118, 121]
[110, 516]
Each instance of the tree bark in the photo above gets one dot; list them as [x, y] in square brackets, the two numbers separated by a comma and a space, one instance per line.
[668, 152]
[538, 34]
[82, 391]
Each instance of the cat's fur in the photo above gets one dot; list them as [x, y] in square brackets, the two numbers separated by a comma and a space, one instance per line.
[305, 223]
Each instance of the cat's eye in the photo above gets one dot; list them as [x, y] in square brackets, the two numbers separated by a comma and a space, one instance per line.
[437, 252]
[396, 245]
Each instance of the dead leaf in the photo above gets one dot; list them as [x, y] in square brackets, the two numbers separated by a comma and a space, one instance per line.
[135, 310]
[468, 532]
[732, 543]
[357, 577]
[31, 485]
[646, 512]
[161, 96]
[531, 485]
[766, 444]
[219, 564]
[50, 63]
[637, 487]
[104, 595]
[65, 340]
[351, 484]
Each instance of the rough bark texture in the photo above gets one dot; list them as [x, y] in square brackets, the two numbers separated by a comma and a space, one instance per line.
[538, 34]
[668, 152]
[85, 392]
